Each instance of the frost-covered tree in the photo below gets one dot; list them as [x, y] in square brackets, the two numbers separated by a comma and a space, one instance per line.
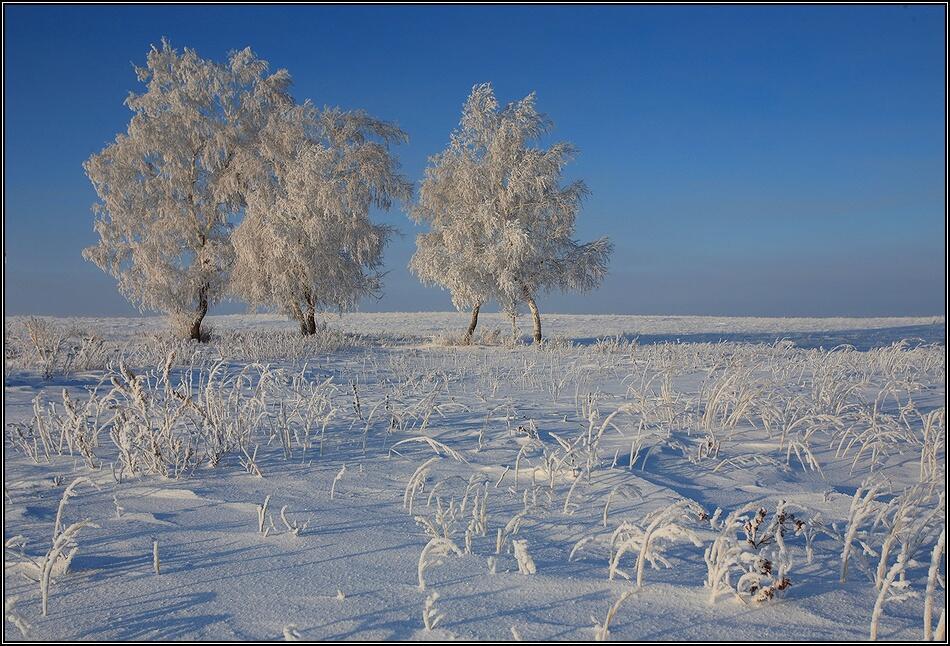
[307, 242]
[172, 186]
[501, 223]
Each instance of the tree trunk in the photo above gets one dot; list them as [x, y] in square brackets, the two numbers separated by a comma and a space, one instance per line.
[195, 332]
[311, 322]
[472, 324]
[307, 319]
[297, 313]
[514, 328]
[536, 316]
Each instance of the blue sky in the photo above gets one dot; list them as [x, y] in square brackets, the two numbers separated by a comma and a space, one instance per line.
[744, 160]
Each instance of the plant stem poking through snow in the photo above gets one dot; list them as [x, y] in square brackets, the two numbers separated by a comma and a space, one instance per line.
[662, 526]
[10, 614]
[432, 554]
[291, 634]
[602, 630]
[430, 614]
[339, 476]
[261, 514]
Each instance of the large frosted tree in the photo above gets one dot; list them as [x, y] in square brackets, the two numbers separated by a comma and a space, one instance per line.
[171, 188]
[307, 242]
[501, 221]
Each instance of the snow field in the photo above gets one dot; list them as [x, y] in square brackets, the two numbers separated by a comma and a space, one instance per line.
[587, 489]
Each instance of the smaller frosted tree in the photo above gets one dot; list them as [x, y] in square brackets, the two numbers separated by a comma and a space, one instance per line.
[171, 187]
[307, 242]
[501, 223]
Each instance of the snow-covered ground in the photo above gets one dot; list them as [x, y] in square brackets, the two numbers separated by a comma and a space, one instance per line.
[580, 449]
[582, 328]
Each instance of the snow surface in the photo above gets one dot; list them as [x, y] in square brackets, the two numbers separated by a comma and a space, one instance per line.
[863, 332]
[352, 573]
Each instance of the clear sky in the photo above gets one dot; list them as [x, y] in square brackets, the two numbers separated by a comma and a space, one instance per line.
[744, 160]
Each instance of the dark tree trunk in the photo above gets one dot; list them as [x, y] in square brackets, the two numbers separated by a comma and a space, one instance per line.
[311, 321]
[472, 324]
[195, 331]
[536, 316]
[306, 318]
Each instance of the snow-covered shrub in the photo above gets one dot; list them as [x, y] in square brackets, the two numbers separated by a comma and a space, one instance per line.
[48, 343]
[617, 344]
[751, 545]
[336, 479]
[910, 521]
[862, 512]
[63, 547]
[293, 527]
[50, 433]
[53, 348]
[649, 540]
[491, 338]
[280, 345]
[525, 562]
[933, 576]
[554, 343]
[933, 446]
[432, 554]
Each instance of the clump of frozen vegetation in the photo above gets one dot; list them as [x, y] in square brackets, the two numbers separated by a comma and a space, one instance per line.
[658, 528]
[56, 561]
[430, 614]
[760, 559]
[11, 615]
[53, 349]
[482, 337]
[525, 562]
[432, 554]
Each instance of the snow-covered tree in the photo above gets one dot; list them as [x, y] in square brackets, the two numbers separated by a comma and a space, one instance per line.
[171, 187]
[501, 223]
[307, 242]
